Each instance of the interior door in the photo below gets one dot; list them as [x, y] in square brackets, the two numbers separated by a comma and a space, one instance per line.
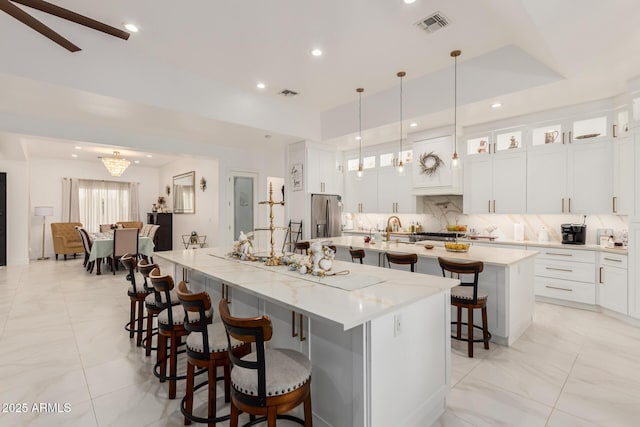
[243, 205]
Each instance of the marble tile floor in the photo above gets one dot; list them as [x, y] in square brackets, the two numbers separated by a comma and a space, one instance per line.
[62, 343]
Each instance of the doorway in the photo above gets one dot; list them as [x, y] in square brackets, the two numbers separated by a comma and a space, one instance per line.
[243, 202]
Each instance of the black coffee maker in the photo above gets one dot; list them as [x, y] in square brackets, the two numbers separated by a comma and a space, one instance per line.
[574, 234]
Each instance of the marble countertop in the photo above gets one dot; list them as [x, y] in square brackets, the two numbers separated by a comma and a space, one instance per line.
[554, 245]
[347, 308]
[488, 255]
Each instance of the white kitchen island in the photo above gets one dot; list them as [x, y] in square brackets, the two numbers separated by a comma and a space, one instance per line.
[508, 277]
[378, 339]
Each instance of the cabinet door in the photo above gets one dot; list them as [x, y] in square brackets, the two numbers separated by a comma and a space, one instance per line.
[590, 185]
[547, 181]
[394, 191]
[623, 173]
[322, 174]
[287, 330]
[361, 193]
[509, 179]
[613, 288]
[477, 184]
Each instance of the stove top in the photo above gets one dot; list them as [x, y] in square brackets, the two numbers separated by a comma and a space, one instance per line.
[443, 237]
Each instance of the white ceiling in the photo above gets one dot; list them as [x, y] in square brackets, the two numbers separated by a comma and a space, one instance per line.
[186, 81]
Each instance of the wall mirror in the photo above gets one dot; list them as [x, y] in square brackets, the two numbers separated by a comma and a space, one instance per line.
[184, 194]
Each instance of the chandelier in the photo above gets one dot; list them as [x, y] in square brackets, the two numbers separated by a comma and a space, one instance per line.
[115, 165]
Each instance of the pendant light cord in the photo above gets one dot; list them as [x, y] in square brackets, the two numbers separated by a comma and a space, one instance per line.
[400, 74]
[455, 55]
[360, 160]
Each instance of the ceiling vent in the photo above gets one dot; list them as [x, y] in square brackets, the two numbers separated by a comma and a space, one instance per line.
[433, 22]
[287, 92]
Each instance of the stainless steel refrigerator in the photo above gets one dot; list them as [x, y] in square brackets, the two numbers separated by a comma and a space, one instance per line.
[326, 219]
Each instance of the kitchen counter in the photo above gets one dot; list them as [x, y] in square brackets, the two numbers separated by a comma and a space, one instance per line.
[351, 337]
[555, 245]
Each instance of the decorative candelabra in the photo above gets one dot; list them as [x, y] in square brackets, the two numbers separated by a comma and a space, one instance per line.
[273, 259]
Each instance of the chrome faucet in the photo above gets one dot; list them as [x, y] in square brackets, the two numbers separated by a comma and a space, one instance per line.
[389, 228]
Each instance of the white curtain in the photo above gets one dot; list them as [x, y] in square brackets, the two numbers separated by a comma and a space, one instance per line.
[100, 202]
[70, 205]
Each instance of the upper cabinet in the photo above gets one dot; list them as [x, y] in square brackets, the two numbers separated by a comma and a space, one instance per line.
[323, 171]
[433, 172]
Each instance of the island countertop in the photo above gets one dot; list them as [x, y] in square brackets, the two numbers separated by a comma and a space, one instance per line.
[488, 255]
[348, 308]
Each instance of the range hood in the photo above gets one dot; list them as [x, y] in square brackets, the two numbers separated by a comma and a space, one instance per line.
[433, 174]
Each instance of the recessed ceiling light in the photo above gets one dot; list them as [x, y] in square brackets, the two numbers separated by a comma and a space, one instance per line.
[496, 105]
[131, 27]
[409, 1]
[316, 52]
[358, 138]
[261, 85]
[136, 161]
[414, 124]
[74, 155]
[78, 147]
[149, 155]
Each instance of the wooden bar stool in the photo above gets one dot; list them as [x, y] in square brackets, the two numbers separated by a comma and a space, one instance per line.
[468, 296]
[356, 254]
[303, 247]
[402, 259]
[206, 350]
[268, 382]
[137, 294]
[171, 329]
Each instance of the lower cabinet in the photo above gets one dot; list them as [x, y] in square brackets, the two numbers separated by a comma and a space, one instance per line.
[566, 274]
[290, 329]
[612, 282]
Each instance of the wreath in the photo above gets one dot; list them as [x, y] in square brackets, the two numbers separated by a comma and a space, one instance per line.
[430, 162]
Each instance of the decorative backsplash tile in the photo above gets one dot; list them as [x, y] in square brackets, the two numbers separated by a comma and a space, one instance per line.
[439, 211]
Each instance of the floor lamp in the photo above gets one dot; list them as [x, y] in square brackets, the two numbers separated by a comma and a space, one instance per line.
[44, 212]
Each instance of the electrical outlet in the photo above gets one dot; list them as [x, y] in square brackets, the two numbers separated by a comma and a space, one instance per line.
[397, 324]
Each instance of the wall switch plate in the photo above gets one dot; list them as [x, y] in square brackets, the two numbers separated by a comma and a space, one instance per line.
[397, 324]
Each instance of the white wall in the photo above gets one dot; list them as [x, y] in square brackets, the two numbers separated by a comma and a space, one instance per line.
[45, 189]
[18, 218]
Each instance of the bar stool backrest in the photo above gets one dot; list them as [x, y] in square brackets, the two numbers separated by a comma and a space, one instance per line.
[402, 259]
[463, 268]
[129, 263]
[162, 284]
[197, 305]
[356, 254]
[145, 269]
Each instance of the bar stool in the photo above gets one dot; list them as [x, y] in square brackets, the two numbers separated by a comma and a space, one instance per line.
[302, 247]
[206, 350]
[356, 254]
[468, 296]
[267, 382]
[137, 294]
[171, 328]
[402, 259]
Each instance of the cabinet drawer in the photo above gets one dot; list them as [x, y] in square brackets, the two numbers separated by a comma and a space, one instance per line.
[566, 290]
[575, 271]
[613, 260]
[566, 255]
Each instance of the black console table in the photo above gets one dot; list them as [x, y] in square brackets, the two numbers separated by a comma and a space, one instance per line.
[164, 237]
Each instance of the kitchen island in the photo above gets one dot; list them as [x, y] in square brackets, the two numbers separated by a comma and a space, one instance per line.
[508, 277]
[378, 339]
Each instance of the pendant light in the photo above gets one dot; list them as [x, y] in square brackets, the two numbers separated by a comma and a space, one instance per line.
[401, 74]
[360, 164]
[455, 160]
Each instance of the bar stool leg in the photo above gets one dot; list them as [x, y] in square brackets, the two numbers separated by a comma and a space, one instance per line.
[233, 418]
[173, 366]
[140, 323]
[459, 325]
[162, 355]
[132, 319]
[212, 373]
[308, 416]
[470, 333]
[485, 328]
[189, 392]
[147, 350]
[227, 382]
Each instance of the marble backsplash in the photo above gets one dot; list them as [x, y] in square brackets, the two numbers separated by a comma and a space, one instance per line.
[439, 211]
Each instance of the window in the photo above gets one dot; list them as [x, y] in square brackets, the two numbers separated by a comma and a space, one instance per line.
[352, 165]
[390, 159]
[106, 202]
[369, 162]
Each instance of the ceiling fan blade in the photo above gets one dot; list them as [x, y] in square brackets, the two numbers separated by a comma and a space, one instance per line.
[63, 13]
[32, 22]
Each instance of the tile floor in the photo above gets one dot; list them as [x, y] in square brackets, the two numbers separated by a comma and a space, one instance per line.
[62, 344]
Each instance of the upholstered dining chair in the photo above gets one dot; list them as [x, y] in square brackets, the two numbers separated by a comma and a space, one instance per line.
[125, 241]
[86, 243]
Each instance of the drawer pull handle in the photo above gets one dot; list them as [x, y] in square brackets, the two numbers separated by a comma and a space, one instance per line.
[560, 289]
[293, 324]
[601, 269]
[559, 269]
[302, 337]
[557, 254]
[612, 259]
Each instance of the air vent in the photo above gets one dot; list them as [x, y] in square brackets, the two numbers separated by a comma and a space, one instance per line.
[287, 92]
[433, 22]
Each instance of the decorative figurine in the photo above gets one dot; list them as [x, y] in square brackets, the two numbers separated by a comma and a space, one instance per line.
[514, 142]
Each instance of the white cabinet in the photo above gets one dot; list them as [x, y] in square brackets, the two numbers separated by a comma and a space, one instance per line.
[322, 174]
[361, 194]
[612, 282]
[571, 179]
[290, 329]
[623, 177]
[566, 274]
[394, 191]
[495, 183]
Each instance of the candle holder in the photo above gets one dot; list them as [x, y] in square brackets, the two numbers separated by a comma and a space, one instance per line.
[273, 259]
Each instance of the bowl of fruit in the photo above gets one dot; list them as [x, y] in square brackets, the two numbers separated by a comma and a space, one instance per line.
[457, 228]
[456, 247]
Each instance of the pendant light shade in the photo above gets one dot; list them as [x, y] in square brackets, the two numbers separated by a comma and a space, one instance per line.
[401, 74]
[455, 160]
[360, 164]
[115, 165]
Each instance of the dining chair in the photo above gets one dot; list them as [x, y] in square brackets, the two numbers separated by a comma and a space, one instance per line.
[105, 228]
[86, 243]
[125, 241]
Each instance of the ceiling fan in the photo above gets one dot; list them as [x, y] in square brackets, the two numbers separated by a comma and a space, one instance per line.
[8, 7]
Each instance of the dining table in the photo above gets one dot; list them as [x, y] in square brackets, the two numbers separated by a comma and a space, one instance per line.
[102, 247]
